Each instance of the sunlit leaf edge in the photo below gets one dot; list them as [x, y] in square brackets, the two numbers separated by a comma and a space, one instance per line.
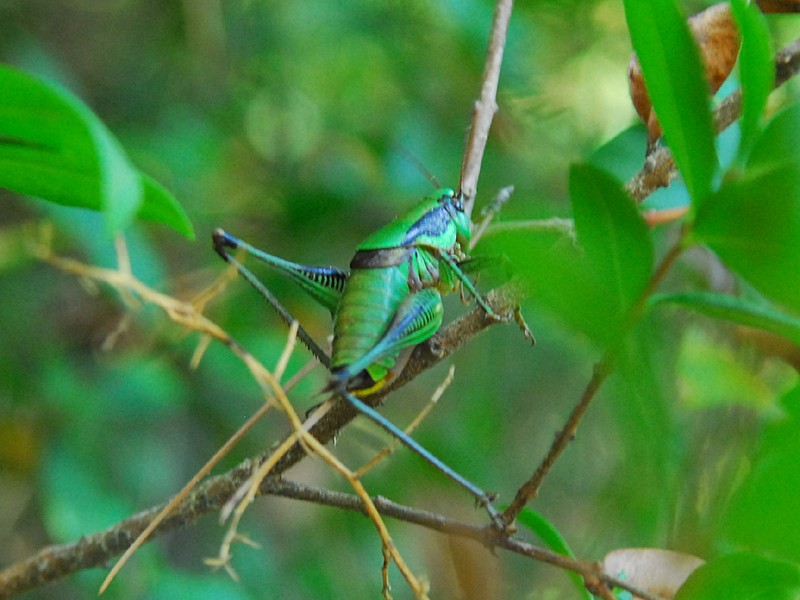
[69, 157]
[756, 69]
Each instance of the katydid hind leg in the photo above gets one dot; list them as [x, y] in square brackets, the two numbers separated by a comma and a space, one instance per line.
[222, 241]
[483, 498]
[324, 284]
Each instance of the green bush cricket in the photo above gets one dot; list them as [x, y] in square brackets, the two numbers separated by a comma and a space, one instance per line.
[389, 302]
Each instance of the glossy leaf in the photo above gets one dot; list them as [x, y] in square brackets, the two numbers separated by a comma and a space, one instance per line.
[558, 278]
[53, 147]
[753, 224]
[737, 310]
[743, 576]
[553, 539]
[612, 233]
[778, 142]
[160, 206]
[677, 87]
[590, 284]
[756, 69]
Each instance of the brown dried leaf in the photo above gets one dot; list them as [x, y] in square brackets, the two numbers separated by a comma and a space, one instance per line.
[660, 572]
[718, 40]
[641, 100]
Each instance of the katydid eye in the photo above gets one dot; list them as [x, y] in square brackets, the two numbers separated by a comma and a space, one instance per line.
[447, 196]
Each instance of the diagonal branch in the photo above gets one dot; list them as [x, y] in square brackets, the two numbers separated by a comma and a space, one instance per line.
[602, 370]
[55, 562]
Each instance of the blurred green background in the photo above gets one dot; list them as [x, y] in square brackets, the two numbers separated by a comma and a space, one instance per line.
[290, 124]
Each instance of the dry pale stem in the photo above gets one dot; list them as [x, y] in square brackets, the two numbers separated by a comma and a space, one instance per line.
[186, 314]
[485, 106]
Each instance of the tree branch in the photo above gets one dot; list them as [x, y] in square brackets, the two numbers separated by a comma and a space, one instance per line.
[529, 490]
[602, 370]
[93, 547]
[54, 562]
[486, 536]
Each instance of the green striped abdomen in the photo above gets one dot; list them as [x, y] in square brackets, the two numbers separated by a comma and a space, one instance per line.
[369, 303]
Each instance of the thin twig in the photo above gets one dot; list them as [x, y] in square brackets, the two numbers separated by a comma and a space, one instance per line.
[602, 370]
[389, 549]
[486, 536]
[181, 495]
[210, 464]
[485, 106]
[55, 562]
[489, 212]
[565, 227]
[528, 491]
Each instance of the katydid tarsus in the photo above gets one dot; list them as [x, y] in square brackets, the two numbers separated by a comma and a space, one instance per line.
[389, 302]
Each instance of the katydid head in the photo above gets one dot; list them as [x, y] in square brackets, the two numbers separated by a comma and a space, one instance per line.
[454, 204]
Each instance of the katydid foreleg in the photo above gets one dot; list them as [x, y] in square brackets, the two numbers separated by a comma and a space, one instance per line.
[474, 264]
[452, 264]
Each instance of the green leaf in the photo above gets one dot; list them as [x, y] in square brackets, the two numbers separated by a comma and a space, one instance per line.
[557, 276]
[737, 310]
[552, 538]
[762, 514]
[743, 576]
[677, 87]
[753, 224]
[621, 156]
[756, 70]
[53, 147]
[612, 233]
[778, 142]
[160, 206]
[590, 287]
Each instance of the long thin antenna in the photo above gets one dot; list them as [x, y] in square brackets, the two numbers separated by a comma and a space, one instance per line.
[414, 160]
